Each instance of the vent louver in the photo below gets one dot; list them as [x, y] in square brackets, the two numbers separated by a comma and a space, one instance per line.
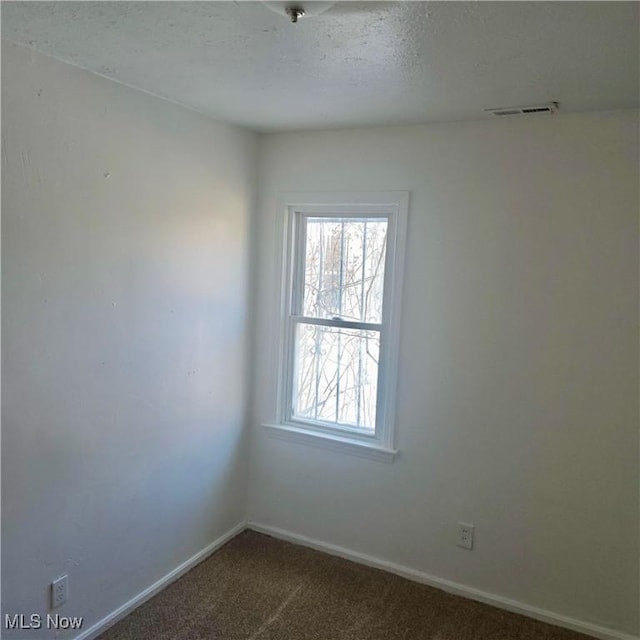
[550, 107]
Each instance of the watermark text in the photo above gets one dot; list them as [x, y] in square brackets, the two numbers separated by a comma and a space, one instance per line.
[23, 621]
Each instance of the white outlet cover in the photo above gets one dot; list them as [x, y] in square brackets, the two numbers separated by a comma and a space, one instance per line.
[59, 591]
[465, 535]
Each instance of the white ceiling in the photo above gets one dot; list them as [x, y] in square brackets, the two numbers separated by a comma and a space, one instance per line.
[357, 64]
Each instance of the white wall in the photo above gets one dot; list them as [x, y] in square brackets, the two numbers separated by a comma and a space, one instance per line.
[124, 283]
[518, 385]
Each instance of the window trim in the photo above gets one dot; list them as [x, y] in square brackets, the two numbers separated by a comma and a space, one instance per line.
[392, 205]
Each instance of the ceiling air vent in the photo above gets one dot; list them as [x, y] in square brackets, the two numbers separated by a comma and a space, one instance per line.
[549, 107]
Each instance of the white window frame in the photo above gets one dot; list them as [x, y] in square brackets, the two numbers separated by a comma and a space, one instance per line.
[392, 205]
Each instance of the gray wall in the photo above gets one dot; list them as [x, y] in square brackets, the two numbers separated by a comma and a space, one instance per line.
[124, 284]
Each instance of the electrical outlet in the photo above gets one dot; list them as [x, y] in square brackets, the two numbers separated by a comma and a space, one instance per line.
[59, 591]
[465, 535]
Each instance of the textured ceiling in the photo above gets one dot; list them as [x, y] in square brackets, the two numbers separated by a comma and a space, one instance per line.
[357, 64]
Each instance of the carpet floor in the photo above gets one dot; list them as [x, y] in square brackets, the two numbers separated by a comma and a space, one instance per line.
[260, 588]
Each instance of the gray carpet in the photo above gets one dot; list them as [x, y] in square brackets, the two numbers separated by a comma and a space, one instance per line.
[260, 588]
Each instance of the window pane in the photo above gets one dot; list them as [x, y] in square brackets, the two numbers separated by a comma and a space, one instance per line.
[336, 375]
[344, 268]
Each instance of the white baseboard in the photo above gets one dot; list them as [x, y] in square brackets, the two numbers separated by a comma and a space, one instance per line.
[446, 585]
[507, 604]
[102, 625]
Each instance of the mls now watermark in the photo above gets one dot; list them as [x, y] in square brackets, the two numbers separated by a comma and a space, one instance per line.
[36, 621]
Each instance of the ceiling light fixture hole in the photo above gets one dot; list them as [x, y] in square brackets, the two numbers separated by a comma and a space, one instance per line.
[294, 13]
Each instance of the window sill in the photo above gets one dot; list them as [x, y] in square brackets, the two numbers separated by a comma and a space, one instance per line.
[332, 442]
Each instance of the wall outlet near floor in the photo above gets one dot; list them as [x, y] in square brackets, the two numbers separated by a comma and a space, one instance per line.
[59, 591]
[465, 535]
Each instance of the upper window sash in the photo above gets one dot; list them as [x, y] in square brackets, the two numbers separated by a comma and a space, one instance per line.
[374, 247]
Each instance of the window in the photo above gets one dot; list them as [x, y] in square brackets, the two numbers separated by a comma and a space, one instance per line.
[341, 285]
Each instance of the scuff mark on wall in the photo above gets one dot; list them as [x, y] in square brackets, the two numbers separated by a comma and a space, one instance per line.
[5, 161]
[24, 158]
[29, 170]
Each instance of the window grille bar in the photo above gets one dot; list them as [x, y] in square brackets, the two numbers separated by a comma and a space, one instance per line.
[362, 315]
[317, 340]
[341, 290]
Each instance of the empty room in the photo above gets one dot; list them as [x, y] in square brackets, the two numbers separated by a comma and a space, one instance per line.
[320, 320]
